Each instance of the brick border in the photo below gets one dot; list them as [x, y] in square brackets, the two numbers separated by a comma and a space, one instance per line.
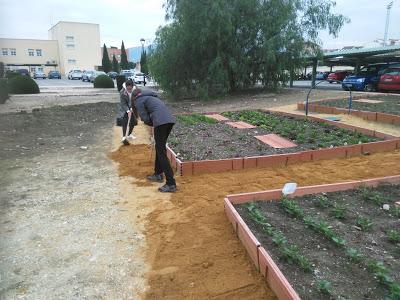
[258, 254]
[390, 143]
[317, 106]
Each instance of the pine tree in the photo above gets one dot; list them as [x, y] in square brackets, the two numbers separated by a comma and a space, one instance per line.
[106, 63]
[115, 65]
[124, 59]
[143, 63]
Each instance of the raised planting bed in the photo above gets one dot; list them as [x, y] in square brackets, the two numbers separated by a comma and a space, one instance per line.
[380, 108]
[340, 244]
[199, 144]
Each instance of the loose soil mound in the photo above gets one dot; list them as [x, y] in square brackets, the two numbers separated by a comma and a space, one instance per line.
[192, 248]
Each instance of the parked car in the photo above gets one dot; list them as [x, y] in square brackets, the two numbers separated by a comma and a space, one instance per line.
[112, 74]
[95, 74]
[367, 78]
[127, 74]
[337, 76]
[321, 75]
[39, 74]
[138, 78]
[390, 79]
[75, 74]
[23, 72]
[54, 74]
[86, 75]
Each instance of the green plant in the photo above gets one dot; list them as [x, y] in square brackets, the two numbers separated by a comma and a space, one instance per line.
[291, 207]
[194, 119]
[22, 85]
[368, 194]
[3, 90]
[324, 286]
[103, 81]
[12, 74]
[339, 212]
[364, 223]
[291, 254]
[354, 255]
[278, 238]
[396, 211]
[393, 235]
[321, 201]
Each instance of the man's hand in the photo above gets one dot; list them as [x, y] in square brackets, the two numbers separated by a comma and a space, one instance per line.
[129, 114]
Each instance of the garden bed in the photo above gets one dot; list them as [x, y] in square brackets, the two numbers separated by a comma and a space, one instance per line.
[389, 104]
[338, 245]
[201, 138]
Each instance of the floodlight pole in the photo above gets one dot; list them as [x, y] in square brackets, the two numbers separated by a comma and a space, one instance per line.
[389, 6]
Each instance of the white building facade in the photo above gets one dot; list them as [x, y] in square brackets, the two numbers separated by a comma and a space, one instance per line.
[71, 45]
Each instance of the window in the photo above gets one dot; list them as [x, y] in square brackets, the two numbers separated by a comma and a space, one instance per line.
[71, 61]
[40, 69]
[4, 51]
[13, 51]
[70, 46]
[33, 69]
[31, 52]
[38, 52]
[69, 38]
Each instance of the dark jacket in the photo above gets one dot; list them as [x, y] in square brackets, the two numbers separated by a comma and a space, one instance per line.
[152, 110]
[126, 104]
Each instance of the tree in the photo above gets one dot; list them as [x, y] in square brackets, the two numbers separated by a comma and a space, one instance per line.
[216, 47]
[106, 63]
[124, 59]
[2, 71]
[131, 65]
[143, 62]
[115, 65]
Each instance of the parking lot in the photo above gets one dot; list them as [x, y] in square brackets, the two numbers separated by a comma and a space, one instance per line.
[63, 82]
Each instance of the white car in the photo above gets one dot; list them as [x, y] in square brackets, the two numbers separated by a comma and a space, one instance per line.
[75, 74]
[139, 78]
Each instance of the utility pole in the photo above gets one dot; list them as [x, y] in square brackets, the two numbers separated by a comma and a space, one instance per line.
[389, 6]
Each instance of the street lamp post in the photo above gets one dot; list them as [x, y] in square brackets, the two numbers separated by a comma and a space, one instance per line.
[142, 40]
[389, 6]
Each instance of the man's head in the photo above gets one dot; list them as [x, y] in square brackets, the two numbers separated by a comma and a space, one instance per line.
[129, 85]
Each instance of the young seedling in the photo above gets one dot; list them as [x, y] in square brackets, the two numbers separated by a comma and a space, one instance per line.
[364, 223]
[324, 286]
[354, 255]
[338, 212]
[278, 238]
[321, 201]
[291, 254]
[292, 207]
[394, 236]
[396, 211]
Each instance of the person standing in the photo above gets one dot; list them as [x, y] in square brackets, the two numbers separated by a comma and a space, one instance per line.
[127, 110]
[154, 113]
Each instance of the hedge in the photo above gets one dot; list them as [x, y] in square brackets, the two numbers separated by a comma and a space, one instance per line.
[103, 81]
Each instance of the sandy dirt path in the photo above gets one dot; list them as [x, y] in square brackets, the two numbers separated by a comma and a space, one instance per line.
[191, 247]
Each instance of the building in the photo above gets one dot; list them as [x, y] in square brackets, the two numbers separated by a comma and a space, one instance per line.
[33, 55]
[113, 51]
[78, 45]
[71, 45]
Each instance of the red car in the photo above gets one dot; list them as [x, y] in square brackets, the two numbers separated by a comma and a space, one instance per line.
[390, 79]
[337, 76]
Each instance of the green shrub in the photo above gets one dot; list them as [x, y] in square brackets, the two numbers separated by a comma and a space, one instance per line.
[22, 85]
[103, 81]
[12, 74]
[3, 90]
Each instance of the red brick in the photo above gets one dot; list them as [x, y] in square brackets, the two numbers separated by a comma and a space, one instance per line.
[249, 162]
[376, 181]
[301, 106]
[397, 203]
[383, 146]
[341, 110]
[248, 197]
[353, 150]
[212, 166]
[237, 164]
[384, 118]
[331, 153]
[217, 117]
[249, 241]
[278, 160]
[369, 115]
[187, 168]
[231, 214]
[300, 157]
[275, 141]
[396, 120]
[325, 188]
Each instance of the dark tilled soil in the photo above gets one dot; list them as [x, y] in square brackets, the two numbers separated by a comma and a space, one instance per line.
[391, 104]
[204, 141]
[352, 280]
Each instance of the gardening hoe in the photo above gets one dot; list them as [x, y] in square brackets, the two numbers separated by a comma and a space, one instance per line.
[125, 141]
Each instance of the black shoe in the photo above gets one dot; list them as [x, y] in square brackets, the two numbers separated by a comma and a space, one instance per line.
[155, 178]
[167, 188]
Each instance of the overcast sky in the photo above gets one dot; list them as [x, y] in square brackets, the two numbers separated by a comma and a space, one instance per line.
[131, 20]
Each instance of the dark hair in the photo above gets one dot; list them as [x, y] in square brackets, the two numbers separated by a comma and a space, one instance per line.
[136, 92]
[129, 82]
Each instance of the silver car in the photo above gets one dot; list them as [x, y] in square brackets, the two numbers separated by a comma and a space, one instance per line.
[95, 74]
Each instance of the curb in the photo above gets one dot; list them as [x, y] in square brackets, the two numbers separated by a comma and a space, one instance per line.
[258, 254]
